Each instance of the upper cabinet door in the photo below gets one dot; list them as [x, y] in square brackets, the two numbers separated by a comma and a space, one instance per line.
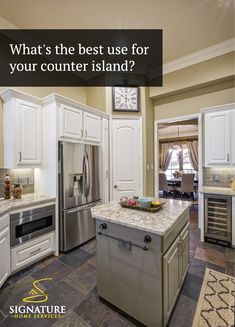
[28, 138]
[71, 122]
[92, 128]
[217, 138]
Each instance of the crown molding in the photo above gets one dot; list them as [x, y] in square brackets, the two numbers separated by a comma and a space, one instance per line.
[10, 93]
[60, 99]
[193, 58]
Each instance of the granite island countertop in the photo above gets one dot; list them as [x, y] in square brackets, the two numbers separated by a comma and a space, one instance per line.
[157, 223]
[217, 190]
[27, 200]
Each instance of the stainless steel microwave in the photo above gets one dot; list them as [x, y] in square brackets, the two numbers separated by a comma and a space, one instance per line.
[29, 224]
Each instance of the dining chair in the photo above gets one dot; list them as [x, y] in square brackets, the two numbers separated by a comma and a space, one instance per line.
[163, 186]
[187, 185]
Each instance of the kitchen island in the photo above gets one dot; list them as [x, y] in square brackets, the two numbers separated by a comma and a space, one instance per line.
[142, 258]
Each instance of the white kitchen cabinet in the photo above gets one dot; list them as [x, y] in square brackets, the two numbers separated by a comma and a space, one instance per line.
[29, 133]
[219, 135]
[4, 249]
[31, 251]
[78, 125]
[71, 122]
[22, 130]
[218, 138]
[92, 127]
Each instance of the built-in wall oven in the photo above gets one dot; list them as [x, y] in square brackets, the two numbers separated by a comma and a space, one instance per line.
[218, 218]
[29, 224]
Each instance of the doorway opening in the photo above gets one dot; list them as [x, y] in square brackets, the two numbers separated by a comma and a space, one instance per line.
[178, 162]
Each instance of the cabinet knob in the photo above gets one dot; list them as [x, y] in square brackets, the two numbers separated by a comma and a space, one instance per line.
[115, 186]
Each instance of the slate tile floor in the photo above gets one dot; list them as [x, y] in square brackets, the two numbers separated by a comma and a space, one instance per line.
[74, 285]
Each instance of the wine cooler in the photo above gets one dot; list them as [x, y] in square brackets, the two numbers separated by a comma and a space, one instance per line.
[218, 218]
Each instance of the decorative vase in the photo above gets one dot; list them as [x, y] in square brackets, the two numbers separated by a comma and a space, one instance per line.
[17, 191]
[7, 187]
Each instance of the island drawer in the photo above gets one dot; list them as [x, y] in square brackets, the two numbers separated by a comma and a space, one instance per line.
[171, 235]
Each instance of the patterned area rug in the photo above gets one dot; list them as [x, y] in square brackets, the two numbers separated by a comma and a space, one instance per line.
[216, 305]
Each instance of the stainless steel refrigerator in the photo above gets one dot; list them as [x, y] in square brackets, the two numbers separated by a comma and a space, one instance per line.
[79, 190]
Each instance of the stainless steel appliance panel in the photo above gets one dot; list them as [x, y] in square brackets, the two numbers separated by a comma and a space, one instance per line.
[72, 174]
[79, 180]
[78, 226]
[93, 181]
[29, 224]
[79, 190]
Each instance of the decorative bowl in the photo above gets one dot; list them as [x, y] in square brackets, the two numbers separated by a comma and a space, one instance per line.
[145, 202]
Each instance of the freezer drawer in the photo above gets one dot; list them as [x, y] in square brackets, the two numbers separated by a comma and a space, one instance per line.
[78, 226]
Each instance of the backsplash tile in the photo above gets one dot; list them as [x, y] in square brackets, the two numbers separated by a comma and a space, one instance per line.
[218, 177]
[26, 175]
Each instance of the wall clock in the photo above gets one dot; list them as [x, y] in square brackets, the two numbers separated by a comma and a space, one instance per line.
[126, 98]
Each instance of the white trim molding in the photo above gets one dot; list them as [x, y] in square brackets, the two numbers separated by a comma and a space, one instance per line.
[211, 52]
[226, 106]
[197, 116]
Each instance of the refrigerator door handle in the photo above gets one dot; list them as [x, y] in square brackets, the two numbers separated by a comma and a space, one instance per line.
[85, 173]
[88, 174]
[84, 207]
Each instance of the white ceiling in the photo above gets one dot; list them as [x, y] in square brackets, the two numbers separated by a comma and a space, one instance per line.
[188, 25]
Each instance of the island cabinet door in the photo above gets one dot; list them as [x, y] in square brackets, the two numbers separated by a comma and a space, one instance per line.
[183, 253]
[171, 277]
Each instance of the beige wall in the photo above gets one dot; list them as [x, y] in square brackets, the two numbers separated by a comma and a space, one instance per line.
[95, 97]
[74, 93]
[201, 74]
[186, 91]
[193, 104]
[149, 144]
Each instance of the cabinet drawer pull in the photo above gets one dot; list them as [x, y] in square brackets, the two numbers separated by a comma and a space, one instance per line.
[228, 157]
[20, 158]
[35, 251]
[85, 133]
[81, 132]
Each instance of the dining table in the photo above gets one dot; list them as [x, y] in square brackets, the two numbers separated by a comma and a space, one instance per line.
[176, 182]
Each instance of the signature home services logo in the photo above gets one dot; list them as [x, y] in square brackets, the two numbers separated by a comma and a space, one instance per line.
[35, 296]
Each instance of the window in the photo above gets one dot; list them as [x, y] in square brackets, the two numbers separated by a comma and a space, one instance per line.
[175, 165]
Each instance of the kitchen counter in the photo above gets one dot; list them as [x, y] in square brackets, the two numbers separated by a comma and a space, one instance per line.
[157, 223]
[26, 201]
[217, 190]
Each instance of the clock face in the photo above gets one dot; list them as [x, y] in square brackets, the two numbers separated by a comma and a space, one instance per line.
[126, 98]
